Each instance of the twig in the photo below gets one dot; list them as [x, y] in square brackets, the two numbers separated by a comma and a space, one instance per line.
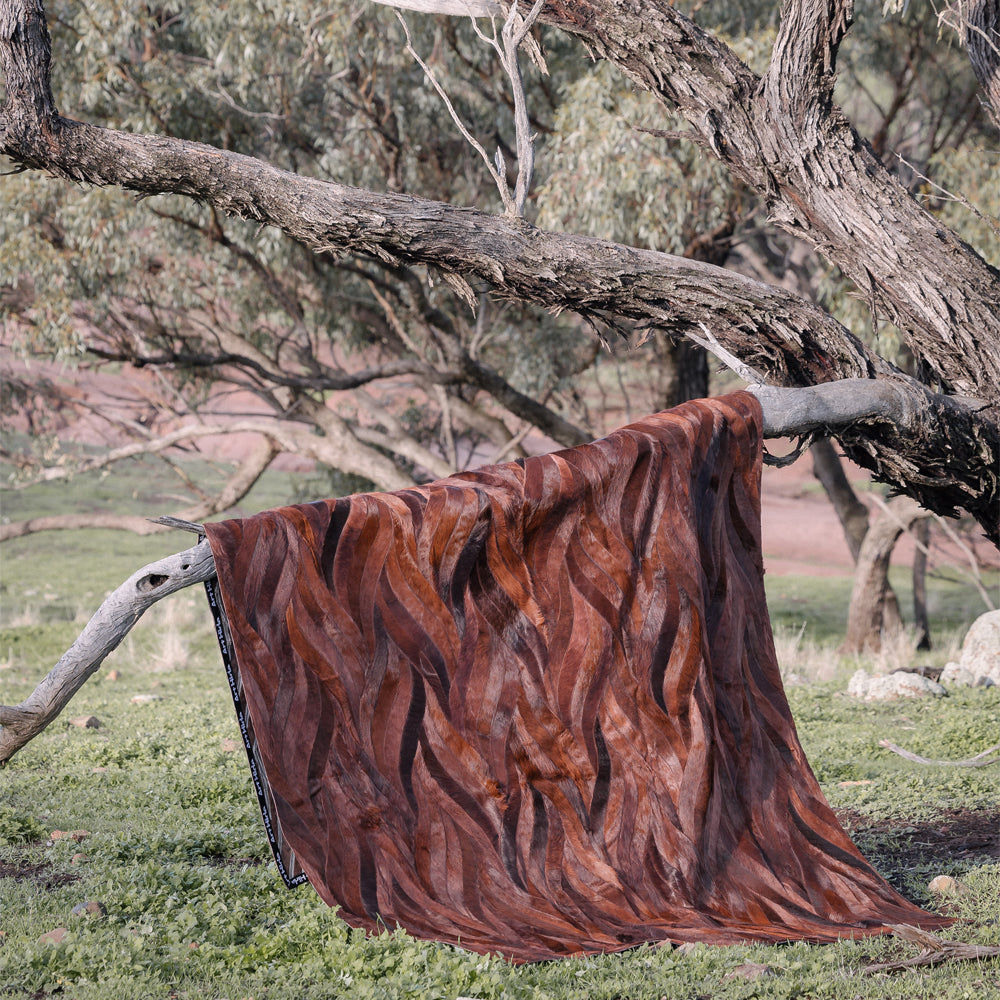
[973, 576]
[513, 442]
[513, 33]
[501, 182]
[712, 345]
[976, 761]
[934, 950]
[961, 199]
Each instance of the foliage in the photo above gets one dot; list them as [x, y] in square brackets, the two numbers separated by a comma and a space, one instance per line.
[104, 283]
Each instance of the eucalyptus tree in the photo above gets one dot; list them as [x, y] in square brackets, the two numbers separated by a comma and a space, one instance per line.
[337, 215]
[381, 332]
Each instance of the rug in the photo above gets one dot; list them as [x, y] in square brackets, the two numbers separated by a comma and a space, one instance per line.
[535, 709]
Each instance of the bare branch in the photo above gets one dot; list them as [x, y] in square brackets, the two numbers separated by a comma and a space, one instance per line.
[501, 182]
[978, 761]
[103, 633]
[934, 950]
[711, 344]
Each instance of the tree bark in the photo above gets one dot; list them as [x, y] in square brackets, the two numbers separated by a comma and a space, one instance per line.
[978, 25]
[782, 135]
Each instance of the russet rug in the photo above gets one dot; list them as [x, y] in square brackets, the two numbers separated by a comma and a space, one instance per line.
[535, 709]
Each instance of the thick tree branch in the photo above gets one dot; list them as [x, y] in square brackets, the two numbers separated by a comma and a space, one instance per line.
[819, 178]
[112, 622]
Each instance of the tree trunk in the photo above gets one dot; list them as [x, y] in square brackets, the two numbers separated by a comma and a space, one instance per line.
[853, 514]
[866, 625]
[921, 622]
[683, 372]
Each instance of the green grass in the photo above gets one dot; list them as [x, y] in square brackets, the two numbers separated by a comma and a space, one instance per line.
[820, 604]
[176, 854]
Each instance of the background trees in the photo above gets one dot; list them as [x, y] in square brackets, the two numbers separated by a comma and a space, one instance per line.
[393, 339]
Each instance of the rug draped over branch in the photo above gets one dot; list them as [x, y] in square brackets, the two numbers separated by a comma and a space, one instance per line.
[535, 709]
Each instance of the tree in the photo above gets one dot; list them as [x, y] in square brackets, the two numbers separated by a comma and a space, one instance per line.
[778, 134]
[932, 431]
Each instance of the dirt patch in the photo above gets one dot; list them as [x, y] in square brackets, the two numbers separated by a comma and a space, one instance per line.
[42, 873]
[897, 847]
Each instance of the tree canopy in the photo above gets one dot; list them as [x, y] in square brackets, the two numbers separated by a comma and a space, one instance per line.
[314, 231]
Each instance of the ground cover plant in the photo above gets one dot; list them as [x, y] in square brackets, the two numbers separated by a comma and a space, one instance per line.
[152, 816]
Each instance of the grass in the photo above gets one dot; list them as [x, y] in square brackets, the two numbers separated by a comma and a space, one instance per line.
[174, 847]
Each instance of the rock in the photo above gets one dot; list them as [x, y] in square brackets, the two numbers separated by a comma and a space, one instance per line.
[141, 699]
[945, 885]
[750, 971]
[54, 936]
[892, 687]
[956, 674]
[92, 908]
[113, 675]
[78, 858]
[979, 663]
[86, 722]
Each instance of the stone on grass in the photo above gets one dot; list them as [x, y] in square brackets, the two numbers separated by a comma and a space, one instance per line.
[76, 835]
[945, 885]
[892, 687]
[86, 722]
[91, 908]
[142, 699]
[750, 971]
[54, 936]
[979, 663]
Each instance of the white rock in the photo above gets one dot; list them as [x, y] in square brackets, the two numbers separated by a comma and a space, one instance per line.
[981, 650]
[955, 673]
[892, 686]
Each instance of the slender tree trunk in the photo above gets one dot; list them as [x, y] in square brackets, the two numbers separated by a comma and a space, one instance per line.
[922, 531]
[853, 514]
[866, 617]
